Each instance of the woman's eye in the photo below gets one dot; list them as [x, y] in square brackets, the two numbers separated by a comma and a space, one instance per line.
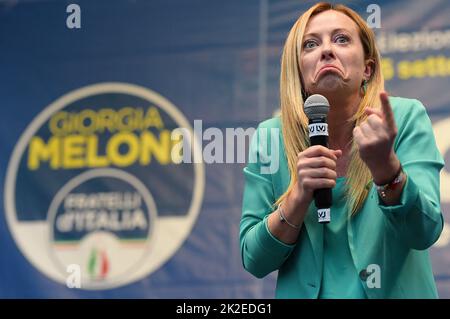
[341, 39]
[309, 44]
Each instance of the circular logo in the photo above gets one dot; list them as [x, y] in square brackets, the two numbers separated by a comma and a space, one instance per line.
[94, 182]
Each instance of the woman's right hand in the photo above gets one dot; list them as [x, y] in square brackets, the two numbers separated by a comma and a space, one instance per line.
[316, 169]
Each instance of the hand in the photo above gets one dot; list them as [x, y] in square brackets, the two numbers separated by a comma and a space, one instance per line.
[375, 139]
[316, 168]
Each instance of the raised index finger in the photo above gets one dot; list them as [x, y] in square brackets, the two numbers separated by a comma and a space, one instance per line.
[387, 110]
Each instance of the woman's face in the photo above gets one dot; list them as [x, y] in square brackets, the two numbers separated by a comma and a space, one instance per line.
[332, 56]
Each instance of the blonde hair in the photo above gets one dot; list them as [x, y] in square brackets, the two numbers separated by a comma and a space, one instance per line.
[294, 120]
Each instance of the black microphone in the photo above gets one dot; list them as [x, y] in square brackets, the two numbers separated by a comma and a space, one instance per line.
[316, 109]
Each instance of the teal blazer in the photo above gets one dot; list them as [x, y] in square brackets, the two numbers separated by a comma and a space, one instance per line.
[396, 238]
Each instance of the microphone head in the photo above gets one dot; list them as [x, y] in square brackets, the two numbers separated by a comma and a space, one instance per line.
[316, 106]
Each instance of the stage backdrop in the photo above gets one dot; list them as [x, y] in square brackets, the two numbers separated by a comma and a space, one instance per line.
[90, 94]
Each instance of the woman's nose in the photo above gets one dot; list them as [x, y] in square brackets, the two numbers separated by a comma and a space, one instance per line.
[327, 51]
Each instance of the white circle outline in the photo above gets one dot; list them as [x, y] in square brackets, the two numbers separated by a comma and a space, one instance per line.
[125, 177]
[72, 96]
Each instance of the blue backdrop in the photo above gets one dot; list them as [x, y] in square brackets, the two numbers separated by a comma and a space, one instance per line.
[81, 107]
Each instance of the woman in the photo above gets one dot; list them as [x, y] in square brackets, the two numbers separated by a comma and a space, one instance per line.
[382, 163]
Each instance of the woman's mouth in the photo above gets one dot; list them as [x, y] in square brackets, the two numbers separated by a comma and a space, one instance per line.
[327, 69]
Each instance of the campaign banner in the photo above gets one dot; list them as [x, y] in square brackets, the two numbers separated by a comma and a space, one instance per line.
[106, 109]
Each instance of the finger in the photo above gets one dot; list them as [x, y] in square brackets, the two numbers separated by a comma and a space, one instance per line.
[370, 110]
[318, 183]
[318, 150]
[337, 153]
[318, 162]
[367, 130]
[387, 111]
[322, 172]
[375, 122]
[358, 135]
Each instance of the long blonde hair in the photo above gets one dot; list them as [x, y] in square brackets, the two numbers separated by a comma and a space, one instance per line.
[294, 120]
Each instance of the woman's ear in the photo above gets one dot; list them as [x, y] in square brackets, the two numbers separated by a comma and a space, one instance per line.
[368, 69]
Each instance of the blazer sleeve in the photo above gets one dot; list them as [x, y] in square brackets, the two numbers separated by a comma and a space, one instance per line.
[261, 252]
[417, 219]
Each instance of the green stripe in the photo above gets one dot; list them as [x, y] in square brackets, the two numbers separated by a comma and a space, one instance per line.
[92, 262]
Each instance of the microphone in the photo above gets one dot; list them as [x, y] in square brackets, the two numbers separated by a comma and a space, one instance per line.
[316, 109]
